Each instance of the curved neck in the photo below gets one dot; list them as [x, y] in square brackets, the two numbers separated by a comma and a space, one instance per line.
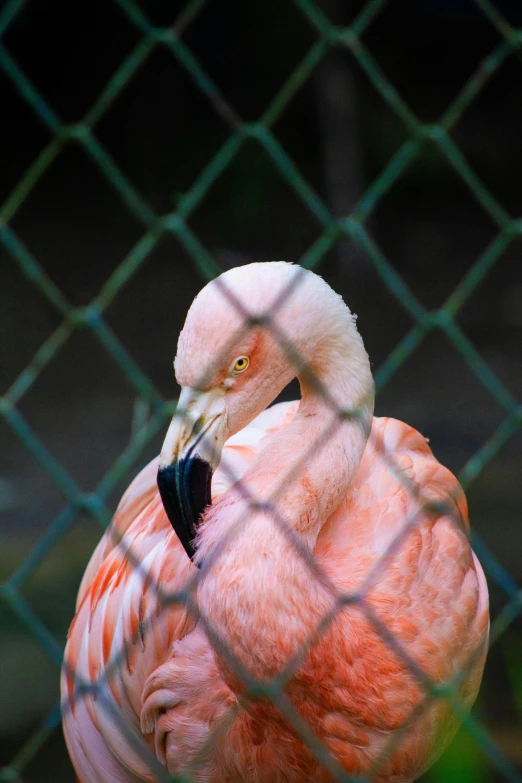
[308, 467]
[303, 474]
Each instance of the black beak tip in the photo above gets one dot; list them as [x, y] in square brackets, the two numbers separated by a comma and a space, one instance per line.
[185, 487]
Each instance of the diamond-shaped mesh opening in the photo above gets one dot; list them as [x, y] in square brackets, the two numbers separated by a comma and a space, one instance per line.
[102, 410]
[239, 61]
[408, 33]
[61, 65]
[499, 261]
[461, 414]
[51, 588]
[491, 317]
[92, 230]
[421, 231]
[164, 285]
[252, 200]
[143, 126]
[497, 102]
[341, 101]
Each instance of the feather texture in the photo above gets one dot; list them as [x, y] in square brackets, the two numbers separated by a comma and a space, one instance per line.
[160, 685]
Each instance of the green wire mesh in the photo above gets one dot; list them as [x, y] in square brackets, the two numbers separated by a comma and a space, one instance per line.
[155, 226]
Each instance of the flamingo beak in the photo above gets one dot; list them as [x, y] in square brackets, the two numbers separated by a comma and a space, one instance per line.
[189, 456]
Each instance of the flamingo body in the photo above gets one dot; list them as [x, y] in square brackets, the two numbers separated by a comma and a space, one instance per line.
[169, 693]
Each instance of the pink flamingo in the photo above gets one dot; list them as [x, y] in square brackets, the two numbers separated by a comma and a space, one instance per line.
[340, 563]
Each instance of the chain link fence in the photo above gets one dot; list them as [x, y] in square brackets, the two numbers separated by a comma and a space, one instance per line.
[155, 226]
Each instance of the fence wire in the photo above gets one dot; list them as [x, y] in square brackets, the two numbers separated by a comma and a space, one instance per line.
[155, 226]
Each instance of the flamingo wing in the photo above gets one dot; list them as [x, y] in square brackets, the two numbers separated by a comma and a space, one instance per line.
[128, 617]
[400, 545]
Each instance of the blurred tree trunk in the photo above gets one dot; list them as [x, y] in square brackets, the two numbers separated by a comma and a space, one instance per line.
[340, 146]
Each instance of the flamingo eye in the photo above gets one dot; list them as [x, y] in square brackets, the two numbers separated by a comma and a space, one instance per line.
[241, 364]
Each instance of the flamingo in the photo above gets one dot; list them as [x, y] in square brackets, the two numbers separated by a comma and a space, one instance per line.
[290, 603]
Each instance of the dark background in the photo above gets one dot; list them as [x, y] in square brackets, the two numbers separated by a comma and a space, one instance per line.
[161, 132]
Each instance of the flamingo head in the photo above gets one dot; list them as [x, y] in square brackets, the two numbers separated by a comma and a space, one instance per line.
[246, 335]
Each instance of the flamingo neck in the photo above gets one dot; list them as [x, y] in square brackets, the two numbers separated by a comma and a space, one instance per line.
[307, 468]
[257, 584]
